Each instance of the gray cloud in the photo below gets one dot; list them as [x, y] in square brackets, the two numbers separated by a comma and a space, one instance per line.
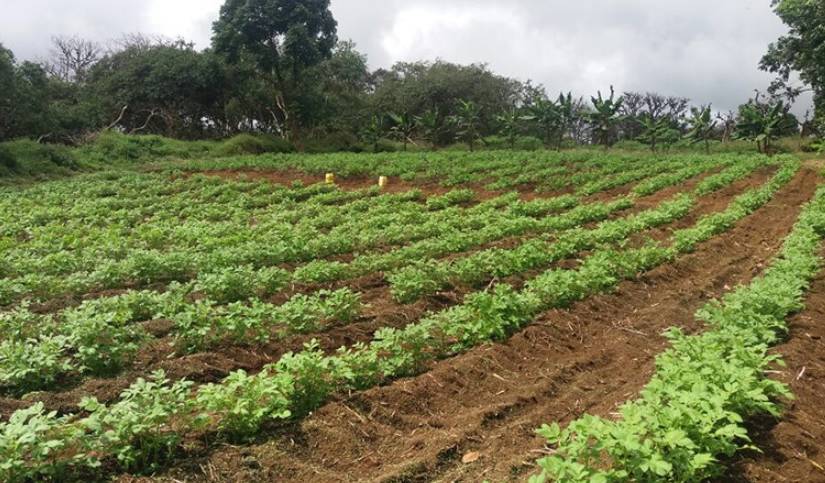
[707, 50]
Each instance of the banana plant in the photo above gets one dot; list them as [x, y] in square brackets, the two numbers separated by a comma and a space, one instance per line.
[761, 123]
[702, 127]
[431, 125]
[468, 121]
[510, 126]
[566, 108]
[374, 130]
[604, 119]
[547, 117]
[657, 132]
[403, 127]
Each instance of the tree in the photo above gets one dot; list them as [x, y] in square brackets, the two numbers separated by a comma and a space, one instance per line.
[702, 127]
[418, 87]
[651, 105]
[800, 50]
[283, 38]
[72, 57]
[547, 117]
[763, 122]
[374, 130]
[24, 98]
[656, 132]
[403, 127]
[164, 89]
[605, 117]
[432, 125]
[567, 113]
[467, 120]
[510, 125]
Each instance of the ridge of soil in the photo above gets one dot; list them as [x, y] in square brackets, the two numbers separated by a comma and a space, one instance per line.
[794, 444]
[472, 417]
[380, 310]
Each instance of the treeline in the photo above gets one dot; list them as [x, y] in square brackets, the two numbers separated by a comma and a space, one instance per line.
[277, 67]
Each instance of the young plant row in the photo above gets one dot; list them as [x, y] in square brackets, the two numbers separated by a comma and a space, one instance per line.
[429, 276]
[208, 245]
[693, 412]
[100, 337]
[147, 424]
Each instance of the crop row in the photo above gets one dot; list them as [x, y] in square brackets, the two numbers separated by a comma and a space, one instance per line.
[147, 423]
[100, 336]
[693, 412]
[107, 261]
[429, 276]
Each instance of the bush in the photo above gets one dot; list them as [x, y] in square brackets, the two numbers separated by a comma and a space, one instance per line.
[521, 143]
[335, 142]
[253, 144]
[114, 146]
[7, 159]
[29, 158]
[528, 143]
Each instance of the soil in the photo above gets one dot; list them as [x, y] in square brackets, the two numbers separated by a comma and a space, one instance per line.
[794, 445]
[380, 311]
[472, 417]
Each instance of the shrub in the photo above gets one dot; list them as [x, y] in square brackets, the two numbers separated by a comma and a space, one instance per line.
[7, 159]
[528, 143]
[253, 144]
[28, 158]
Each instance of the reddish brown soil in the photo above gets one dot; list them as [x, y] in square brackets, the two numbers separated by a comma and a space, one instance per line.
[380, 311]
[472, 417]
[394, 185]
[794, 445]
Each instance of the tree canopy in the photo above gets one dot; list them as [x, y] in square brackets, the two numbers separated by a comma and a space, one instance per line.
[802, 50]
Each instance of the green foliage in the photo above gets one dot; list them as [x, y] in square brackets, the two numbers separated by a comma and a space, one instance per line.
[702, 127]
[657, 132]
[111, 147]
[244, 403]
[763, 123]
[164, 88]
[25, 157]
[228, 239]
[605, 117]
[30, 444]
[692, 413]
[799, 50]
[7, 159]
[252, 144]
[467, 121]
[283, 39]
[137, 430]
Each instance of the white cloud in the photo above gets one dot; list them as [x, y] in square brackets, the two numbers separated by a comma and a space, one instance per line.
[707, 50]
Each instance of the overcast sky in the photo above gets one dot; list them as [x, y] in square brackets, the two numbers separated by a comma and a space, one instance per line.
[707, 50]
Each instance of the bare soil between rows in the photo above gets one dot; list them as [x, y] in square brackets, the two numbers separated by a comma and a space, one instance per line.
[472, 417]
[380, 310]
[794, 445]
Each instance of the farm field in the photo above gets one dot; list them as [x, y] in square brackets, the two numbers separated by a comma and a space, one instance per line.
[244, 319]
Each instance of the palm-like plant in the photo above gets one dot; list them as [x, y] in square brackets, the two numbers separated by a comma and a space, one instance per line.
[701, 127]
[403, 127]
[374, 130]
[762, 123]
[468, 122]
[566, 109]
[430, 125]
[604, 118]
[510, 126]
[547, 117]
